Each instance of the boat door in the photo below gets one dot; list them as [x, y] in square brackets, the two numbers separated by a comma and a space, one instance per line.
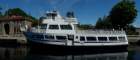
[70, 40]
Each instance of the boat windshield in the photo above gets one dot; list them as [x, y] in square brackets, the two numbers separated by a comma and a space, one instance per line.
[53, 27]
[66, 27]
[43, 26]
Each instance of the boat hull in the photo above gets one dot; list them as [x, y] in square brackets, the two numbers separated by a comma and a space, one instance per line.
[50, 48]
[45, 46]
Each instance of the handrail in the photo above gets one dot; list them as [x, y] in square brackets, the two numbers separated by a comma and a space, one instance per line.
[100, 32]
[112, 32]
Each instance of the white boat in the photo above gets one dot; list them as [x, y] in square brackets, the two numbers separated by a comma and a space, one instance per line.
[57, 32]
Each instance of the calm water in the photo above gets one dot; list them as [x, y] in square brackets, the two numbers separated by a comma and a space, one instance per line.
[23, 53]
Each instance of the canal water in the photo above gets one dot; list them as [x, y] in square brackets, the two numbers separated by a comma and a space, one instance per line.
[24, 53]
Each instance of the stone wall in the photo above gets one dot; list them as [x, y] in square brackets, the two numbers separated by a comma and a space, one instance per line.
[12, 27]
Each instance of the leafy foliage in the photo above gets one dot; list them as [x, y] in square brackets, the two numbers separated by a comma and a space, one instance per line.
[15, 11]
[99, 23]
[35, 23]
[103, 23]
[20, 12]
[85, 26]
[123, 14]
[131, 30]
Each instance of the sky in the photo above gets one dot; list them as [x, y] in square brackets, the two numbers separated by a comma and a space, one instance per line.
[86, 11]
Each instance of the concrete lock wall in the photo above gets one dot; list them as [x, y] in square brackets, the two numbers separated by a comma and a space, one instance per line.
[10, 30]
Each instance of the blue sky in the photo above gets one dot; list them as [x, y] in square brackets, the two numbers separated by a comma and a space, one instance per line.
[87, 11]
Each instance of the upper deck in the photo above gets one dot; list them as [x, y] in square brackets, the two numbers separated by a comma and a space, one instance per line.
[54, 17]
[55, 23]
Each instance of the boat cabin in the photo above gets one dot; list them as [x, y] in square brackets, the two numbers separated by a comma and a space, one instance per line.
[54, 23]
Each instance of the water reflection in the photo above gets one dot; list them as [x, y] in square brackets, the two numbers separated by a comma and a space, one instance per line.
[8, 53]
[104, 56]
[23, 53]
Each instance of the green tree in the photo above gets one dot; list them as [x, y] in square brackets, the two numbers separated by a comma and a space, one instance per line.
[16, 11]
[99, 24]
[35, 23]
[85, 26]
[20, 12]
[123, 14]
[103, 23]
[130, 30]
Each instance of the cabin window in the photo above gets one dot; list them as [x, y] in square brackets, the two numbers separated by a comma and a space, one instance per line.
[113, 38]
[76, 37]
[102, 38]
[91, 38]
[51, 15]
[66, 27]
[53, 27]
[43, 26]
[82, 38]
[61, 37]
[49, 36]
[122, 38]
[70, 37]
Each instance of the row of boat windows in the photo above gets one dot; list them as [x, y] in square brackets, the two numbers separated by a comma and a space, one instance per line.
[49, 37]
[64, 27]
[82, 38]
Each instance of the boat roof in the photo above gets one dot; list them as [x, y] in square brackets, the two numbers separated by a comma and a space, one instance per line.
[53, 17]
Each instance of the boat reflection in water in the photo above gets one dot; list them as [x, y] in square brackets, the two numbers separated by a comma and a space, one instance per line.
[24, 54]
[103, 56]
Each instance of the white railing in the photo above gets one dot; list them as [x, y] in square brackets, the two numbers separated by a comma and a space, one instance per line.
[111, 32]
[97, 32]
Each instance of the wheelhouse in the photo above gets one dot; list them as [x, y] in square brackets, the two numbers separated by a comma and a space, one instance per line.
[60, 27]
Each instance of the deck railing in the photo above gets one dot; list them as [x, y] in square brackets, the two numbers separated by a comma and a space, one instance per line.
[97, 32]
[102, 32]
